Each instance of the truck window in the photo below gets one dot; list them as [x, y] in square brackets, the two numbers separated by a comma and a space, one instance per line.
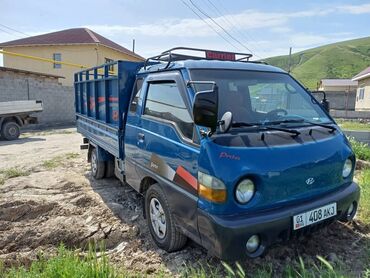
[164, 101]
[136, 94]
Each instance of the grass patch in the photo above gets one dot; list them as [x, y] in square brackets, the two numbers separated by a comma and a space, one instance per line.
[361, 150]
[58, 160]
[353, 125]
[364, 209]
[67, 264]
[9, 173]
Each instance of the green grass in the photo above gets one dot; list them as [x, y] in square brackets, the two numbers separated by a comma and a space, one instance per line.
[353, 125]
[9, 173]
[67, 264]
[58, 160]
[364, 209]
[339, 60]
[361, 150]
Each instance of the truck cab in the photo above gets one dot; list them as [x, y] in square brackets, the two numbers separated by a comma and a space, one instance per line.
[234, 154]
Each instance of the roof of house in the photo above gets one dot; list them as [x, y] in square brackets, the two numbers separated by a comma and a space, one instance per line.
[70, 36]
[338, 82]
[362, 75]
[30, 72]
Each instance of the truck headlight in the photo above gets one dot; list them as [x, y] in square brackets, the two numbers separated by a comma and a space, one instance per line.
[347, 168]
[244, 191]
[211, 188]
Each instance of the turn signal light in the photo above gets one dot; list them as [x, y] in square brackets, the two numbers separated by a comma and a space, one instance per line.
[213, 195]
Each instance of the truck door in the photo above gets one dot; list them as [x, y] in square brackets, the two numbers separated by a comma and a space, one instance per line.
[167, 141]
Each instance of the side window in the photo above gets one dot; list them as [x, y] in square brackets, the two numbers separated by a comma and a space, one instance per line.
[164, 101]
[136, 93]
[108, 60]
[58, 58]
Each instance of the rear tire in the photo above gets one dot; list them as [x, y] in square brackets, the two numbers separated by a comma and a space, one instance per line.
[160, 220]
[109, 169]
[97, 166]
[10, 131]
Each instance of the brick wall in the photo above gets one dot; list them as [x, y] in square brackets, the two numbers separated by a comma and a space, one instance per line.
[58, 100]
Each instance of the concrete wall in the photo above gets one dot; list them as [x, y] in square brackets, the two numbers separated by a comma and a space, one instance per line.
[350, 114]
[58, 100]
[340, 100]
[363, 104]
[86, 55]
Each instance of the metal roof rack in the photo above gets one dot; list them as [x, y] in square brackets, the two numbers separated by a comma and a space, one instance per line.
[169, 56]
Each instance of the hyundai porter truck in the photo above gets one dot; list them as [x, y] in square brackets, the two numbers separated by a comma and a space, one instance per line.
[233, 154]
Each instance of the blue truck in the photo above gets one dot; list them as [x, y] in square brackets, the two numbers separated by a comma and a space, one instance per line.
[234, 154]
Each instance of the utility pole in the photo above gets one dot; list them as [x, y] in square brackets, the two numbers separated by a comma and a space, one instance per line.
[290, 59]
[133, 45]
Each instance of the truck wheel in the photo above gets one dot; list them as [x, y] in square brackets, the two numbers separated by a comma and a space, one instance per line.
[10, 131]
[109, 169]
[160, 220]
[97, 166]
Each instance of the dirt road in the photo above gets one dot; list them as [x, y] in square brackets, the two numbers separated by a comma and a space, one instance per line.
[48, 197]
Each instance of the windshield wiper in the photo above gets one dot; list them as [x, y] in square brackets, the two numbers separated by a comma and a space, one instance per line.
[265, 127]
[332, 128]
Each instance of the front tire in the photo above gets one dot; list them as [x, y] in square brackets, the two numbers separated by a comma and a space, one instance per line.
[97, 166]
[10, 131]
[160, 220]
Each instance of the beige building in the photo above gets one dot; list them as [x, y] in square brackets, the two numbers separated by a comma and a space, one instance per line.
[77, 48]
[363, 91]
[337, 85]
[341, 93]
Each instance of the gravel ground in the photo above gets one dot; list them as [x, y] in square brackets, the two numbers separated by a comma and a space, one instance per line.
[56, 200]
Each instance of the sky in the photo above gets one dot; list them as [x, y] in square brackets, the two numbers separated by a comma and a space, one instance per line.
[263, 28]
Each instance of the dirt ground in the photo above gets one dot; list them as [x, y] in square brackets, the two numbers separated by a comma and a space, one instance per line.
[56, 200]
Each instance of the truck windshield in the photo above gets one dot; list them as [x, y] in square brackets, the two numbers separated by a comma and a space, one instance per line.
[261, 97]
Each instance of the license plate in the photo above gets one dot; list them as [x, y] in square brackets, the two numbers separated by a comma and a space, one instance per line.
[313, 216]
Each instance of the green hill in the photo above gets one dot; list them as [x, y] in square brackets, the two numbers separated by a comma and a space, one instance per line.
[338, 60]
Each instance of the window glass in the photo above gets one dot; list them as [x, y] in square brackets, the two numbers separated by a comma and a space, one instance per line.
[136, 93]
[57, 57]
[111, 67]
[164, 101]
[260, 97]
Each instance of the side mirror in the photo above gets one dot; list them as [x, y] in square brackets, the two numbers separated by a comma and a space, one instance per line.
[226, 122]
[324, 102]
[205, 108]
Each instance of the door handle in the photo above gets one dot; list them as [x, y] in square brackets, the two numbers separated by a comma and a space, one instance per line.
[140, 136]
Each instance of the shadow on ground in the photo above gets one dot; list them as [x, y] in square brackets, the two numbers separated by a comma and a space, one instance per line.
[19, 141]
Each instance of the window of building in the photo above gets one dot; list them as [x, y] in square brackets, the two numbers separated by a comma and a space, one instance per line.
[57, 57]
[136, 93]
[111, 67]
[164, 101]
[361, 93]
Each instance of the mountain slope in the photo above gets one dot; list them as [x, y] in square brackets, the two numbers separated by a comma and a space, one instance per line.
[338, 60]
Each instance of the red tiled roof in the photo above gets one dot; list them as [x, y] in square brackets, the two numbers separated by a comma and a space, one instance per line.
[70, 36]
[363, 74]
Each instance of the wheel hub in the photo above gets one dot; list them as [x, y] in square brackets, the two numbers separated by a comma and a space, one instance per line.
[157, 218]
[94, 163]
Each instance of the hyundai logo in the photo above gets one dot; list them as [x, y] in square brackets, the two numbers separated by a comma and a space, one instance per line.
[310, 181]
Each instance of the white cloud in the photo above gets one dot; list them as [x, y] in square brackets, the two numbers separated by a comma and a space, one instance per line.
[355, 9]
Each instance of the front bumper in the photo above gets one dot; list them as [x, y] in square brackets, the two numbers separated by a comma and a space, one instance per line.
[226, 236]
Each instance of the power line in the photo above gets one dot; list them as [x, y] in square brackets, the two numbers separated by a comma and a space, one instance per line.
[226, 20]
[5, 31]
[220, 26]
[215, 30]
[14, 30]
[237, 22]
